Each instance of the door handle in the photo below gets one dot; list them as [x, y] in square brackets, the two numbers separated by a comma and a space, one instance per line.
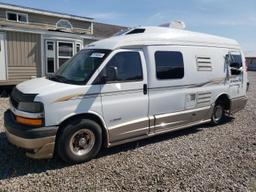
[145, 89]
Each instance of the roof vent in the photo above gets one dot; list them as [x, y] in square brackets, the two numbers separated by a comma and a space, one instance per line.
[135, 31]
[130, 31]
[175, 24]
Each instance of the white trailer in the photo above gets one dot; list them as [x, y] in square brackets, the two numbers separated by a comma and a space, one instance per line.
[144, 82]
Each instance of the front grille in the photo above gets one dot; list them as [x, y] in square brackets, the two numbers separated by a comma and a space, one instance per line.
[14, 102]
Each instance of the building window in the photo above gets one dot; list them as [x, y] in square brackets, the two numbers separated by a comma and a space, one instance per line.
[12, 16]
[65, 52]
[169, 65]
[63, 24]
[50, 46]
[253, 61]
[22, 18]
[50, 65]
[50, 57]
[78, 47]
[18, 17]
[65, 49]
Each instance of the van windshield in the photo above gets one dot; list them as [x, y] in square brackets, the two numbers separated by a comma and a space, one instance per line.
[81, 67]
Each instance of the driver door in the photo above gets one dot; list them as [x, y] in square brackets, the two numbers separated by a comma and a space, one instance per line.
[124, 95]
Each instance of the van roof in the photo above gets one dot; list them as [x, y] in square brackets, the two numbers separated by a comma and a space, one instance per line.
[144, 36]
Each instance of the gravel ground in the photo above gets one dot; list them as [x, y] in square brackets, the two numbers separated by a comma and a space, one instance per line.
[203, 158]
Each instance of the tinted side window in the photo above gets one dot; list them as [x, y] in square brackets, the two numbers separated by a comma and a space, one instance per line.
[237, 59]
[169, 65]
[237, 63]
[128, 66]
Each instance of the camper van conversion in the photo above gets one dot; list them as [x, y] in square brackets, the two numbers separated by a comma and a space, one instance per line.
[143, 82]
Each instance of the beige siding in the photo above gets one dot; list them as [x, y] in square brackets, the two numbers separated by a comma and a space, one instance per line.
[39, 21]
[24, 55]
[80, 24]
[21, 73]
[50, 20]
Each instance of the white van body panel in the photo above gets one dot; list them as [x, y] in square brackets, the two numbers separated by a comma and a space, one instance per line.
[61, 100]
[173, 96]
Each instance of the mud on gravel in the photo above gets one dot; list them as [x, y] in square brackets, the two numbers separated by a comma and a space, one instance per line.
[202, 158]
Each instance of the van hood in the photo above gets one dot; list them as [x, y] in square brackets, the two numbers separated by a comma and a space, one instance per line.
[43, 86]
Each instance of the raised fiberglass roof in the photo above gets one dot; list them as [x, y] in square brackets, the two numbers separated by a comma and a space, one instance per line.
[163, 36]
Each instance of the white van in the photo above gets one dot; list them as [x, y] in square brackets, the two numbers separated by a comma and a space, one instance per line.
[144, 82]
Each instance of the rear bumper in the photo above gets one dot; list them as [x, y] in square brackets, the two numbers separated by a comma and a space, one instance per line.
[238, 104]
[39, 141]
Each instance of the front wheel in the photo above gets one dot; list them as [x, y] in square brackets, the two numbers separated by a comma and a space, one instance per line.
[79, 142]
[218, 114]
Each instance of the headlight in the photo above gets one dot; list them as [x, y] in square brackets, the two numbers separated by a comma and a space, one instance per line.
[31, 107]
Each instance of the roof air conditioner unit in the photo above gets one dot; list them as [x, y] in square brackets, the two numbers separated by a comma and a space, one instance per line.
[174, 24]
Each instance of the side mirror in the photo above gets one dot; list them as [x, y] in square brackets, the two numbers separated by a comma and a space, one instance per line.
[235, 65]
[235, 68]
[111, 73]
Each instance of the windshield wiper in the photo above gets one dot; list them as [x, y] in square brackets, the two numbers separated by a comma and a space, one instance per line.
[58, 78]
[62, 79]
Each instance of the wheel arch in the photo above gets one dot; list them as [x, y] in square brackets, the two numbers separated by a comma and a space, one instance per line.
[90, 115]
[226, 98]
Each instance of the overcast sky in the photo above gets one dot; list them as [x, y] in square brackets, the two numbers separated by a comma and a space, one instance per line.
[230, 18]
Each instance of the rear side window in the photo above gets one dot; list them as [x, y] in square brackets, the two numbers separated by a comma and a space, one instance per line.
[169, 65]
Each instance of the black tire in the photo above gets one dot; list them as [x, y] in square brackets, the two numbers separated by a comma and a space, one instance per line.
[65, 149]
[218, 114]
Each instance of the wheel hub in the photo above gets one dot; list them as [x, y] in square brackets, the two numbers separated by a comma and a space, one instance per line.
[82, 142]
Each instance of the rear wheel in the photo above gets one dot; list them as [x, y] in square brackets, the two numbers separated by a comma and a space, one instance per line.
[79, 142]
[218, 114]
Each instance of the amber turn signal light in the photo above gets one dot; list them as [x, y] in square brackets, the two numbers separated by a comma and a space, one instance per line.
[27, 121]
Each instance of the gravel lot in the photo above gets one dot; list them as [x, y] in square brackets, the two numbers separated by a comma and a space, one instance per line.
[203, 158]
